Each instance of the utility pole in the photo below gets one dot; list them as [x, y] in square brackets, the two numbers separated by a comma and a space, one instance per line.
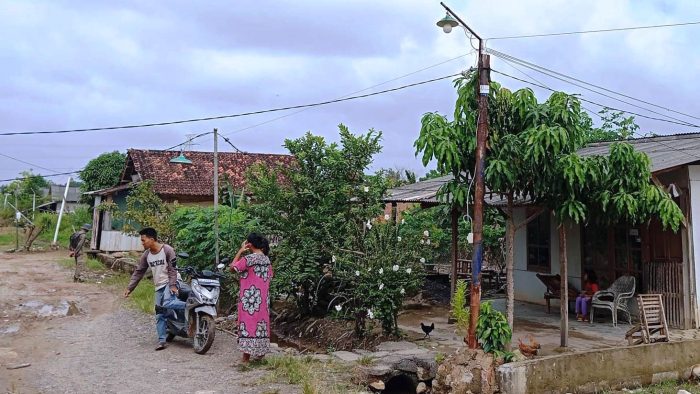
[18, 216]
[60, 213]
[482, 131]
[216, 194]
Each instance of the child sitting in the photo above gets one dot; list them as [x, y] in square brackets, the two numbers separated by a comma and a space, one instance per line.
[590, 287]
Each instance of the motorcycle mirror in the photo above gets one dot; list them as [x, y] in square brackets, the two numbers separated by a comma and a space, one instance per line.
[225, 260]
[183, 255]
[220, 266]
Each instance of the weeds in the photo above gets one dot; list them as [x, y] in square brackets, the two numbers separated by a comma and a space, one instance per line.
[366, 360]
[143, 296]
[313, 376]
[668, 387]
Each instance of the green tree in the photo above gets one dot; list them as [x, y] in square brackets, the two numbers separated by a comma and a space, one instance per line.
[26, 189]
[313, 206]
[101, 172]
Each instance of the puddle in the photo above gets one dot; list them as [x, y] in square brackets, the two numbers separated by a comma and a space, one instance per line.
[41, 309]
[13, 329]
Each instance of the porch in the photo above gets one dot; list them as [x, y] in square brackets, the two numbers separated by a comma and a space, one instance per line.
[530, 319]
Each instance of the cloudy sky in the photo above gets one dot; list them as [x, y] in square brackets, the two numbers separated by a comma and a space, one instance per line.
[81, 64]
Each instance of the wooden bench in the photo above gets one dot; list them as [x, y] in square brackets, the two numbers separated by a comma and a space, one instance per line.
[553, 284]
[652, 326]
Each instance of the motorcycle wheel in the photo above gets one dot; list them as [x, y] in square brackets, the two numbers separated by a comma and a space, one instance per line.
[204, 334]
[170, 337]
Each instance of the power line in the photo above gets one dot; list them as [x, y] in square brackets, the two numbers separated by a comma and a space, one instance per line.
[233, 115]
[594, 31]
[604, 106]
[355, 92]
[523, 62]
[26, 162]
[39, 175]
[541, 70]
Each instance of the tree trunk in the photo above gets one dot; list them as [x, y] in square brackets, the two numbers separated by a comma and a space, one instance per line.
[32, 236]
[563, 266]
[510, 238]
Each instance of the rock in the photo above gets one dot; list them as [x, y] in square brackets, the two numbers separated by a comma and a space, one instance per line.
[393, 347]
[346, 356]
[518, 356]
[72, 309]
[681, 391]
[421, 388]
[424, 374]
[377, 385]
[466, 371]
[118, 255]
[695, 372]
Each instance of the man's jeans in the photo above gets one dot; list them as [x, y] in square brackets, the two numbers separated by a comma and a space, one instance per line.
[167, 300]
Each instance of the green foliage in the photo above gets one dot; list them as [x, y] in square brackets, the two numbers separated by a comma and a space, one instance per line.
[145, 209]
[143, 296]
[615, 127]
[102, 172]
[313, 206]
[459, 306]
[493, 331]
[26, 188]
[376, 275]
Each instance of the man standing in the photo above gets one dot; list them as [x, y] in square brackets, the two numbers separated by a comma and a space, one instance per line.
[77, 241]
[159, 257]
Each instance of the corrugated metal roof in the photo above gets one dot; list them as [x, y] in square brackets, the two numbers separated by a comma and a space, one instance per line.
[665, 152]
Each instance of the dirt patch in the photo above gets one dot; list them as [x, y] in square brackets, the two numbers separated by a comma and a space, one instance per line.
[321, 335]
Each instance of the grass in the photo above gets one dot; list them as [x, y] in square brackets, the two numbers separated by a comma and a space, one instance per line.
[366, 360]
[143, 296]
[7, 240]
[313, 376]
[668, 387]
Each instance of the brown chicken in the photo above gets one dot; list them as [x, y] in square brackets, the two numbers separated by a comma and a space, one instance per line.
[530, 347]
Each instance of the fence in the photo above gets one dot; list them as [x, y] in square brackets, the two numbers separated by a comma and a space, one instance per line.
[666, 278]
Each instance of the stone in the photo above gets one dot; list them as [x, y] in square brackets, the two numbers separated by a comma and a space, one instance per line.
[467, 370]
[393, 347]
[421, 388]
[346, 356]
[681, 391]
[695, 372]
[118, 255]
[378, 385]
[518, 356]
[424, 374]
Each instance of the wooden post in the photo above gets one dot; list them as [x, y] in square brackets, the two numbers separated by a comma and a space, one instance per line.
[455, 252]
[563, 268]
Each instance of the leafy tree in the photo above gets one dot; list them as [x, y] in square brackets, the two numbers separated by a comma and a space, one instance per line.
[432, 174]
[26, 188]
[102, 172]
[313, 206]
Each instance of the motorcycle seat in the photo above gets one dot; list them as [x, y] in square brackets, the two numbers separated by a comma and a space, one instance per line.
[184, 292]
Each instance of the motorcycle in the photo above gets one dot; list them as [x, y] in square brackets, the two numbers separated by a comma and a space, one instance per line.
[201, 296]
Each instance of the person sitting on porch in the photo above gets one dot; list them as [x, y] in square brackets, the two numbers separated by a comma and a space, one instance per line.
[583, 301]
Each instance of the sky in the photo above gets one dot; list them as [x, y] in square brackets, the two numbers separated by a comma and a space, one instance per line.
[84, 64]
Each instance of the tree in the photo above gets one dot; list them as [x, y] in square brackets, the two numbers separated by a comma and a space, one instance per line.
[100, 173]
[27, 188]
[313, 207]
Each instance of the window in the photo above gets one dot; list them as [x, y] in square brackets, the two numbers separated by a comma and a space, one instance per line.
[538, 240]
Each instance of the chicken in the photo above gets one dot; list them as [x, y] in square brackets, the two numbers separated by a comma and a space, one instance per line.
[530, 347]
[427, 329]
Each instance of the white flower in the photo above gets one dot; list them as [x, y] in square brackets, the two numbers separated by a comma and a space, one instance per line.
[427, 241]
[395, 267]
[408, 270]
[387, 217]
[426, 233]
[402, 291]
[338, 308]
[381, 286]
[403, 221]
[422, 260]
[398, 239]
[333, 258]
[370, 314]
[422, 242]
[381, 271]
[357, 273]
[366, 189]
[369, 225]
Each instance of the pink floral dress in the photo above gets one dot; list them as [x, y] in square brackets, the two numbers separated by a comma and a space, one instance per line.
[254, 304]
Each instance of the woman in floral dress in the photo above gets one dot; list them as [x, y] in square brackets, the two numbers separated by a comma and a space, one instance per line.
[255, 272]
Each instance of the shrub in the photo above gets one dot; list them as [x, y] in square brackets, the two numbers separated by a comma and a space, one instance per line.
[459, 304]
[493, 331]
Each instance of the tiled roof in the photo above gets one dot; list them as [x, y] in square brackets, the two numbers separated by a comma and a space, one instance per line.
[664, 151]
[194, 179]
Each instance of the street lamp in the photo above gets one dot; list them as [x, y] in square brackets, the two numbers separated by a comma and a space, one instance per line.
[181, 159]
[482, 129]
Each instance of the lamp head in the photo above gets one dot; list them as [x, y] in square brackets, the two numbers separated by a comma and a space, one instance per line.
[181, 159]
[447, 23]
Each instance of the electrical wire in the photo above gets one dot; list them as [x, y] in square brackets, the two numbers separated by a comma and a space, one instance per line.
[355, 92]
[26, 162]
[232, 115]
[594, 31]
[541, 70]
[604, 106]
[39, 175]
[523, 62]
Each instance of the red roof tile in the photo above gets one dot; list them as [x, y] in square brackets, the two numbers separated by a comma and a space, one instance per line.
[195, 179]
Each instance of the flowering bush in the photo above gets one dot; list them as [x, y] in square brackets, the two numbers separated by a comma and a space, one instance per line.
[377, 276]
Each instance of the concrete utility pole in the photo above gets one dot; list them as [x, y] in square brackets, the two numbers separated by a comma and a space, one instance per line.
[60, 213]
[216, 194]
[482, 131]
[18, 216]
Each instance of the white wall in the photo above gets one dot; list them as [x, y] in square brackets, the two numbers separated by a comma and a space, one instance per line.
[527, 286]
[693, 233]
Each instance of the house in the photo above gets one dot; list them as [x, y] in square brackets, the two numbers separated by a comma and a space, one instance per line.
[185, 184]
[54, 193]
[661, 261]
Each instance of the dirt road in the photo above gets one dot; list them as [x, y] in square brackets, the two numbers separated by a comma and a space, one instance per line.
[82, 338]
